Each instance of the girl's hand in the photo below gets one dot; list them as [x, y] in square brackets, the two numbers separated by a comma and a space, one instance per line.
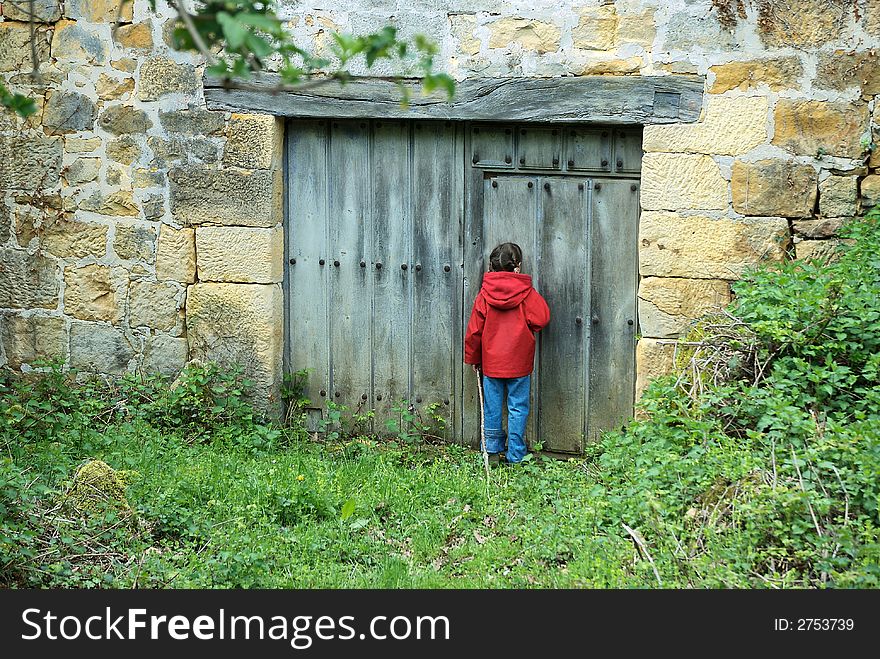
[476, 368]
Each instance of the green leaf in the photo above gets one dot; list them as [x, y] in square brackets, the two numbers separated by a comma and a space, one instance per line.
[233, 30]
[348, 509]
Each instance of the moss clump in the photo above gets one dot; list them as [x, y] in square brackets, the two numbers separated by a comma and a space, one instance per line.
[97, 486]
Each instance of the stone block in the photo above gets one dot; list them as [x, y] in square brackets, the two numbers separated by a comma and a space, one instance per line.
[240, 254]
[775, 73]
[162, 75]
[164, 354]
[240, 324]
[26, 339]
[731, 126]
[682, 182]
[839, 196]
[200, 195]
[668, 306]
[596, 29]
[100, 348]
[138, 36]
[28, 281]
[123, 150]
[81, 144]
[193, 122]
[825, 227]
[124, 120]
[812, 128]
[120, 202]
[31, 161]
[5, 223]
[805, 23]
[774, 187]
[15, 46]
[637, 29]
[99, 11]
[110, 88]
[94, 292]
[148, 178]
[843, 69]
[154, 304]
[154, 207]
[699, 32]
[81, 170]
[600, 64]
[463, 26]
[653, 359]
[697, 247]
[125, 64]
[45, 11]
[68, 112]
[823, 251]
[77, 44]
[77, 240]
[135, 242]
[253, 141]
[530, 35]
[176, 255]
[870, 190]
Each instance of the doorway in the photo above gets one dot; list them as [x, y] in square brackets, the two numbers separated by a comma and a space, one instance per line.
[388, 226]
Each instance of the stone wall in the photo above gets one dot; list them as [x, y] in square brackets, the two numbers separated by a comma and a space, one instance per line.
[139, 230]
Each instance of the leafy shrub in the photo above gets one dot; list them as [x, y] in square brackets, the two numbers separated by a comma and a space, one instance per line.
[773, 471]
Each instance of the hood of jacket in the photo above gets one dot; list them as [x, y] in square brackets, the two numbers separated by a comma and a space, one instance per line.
[506, 290]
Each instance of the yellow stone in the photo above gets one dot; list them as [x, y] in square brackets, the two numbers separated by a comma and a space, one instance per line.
[94, 292]
[240, 254]
[138, 36]
[653, 359]
[531, 35]
[239, 323]
[610, 66]
[731, 126]
[463, 26]
[176, 255]
[774, 187]
[699, 247]
[637, 28]
[156, 305]
[682, 182]
[110, 88]
[823, 251]
[805, 23]
[596, 28]
[816, 128]
[667, 306]
[15, 46]
[253, 141]
[81, 144]
[126, 64]
[74, 239]
[776, 74]
[100, 11]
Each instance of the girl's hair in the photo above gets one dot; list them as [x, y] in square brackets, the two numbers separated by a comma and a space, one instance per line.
[505, 257]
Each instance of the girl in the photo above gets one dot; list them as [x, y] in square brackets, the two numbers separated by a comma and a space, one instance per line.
[500, 341]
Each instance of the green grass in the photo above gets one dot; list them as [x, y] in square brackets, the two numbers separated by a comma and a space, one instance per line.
[220, 515]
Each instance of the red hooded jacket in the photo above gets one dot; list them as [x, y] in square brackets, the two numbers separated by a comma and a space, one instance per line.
[500, 332]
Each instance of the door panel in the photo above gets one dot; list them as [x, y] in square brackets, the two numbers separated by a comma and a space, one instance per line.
[437, 209]
[392, 246]
[350, 295]
[307, 293]
[563, 342]
[615, 212]
[372, 197]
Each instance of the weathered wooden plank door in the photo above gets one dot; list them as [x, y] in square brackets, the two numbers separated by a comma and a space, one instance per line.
[374, 216]
[389, 225]
[567, 198]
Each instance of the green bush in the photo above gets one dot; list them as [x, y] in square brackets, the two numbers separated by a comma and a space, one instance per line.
[773, 474]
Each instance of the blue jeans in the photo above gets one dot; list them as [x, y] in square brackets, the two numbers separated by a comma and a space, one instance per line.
[517, 415]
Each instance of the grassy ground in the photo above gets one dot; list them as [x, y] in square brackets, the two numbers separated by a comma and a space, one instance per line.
[357, 513]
